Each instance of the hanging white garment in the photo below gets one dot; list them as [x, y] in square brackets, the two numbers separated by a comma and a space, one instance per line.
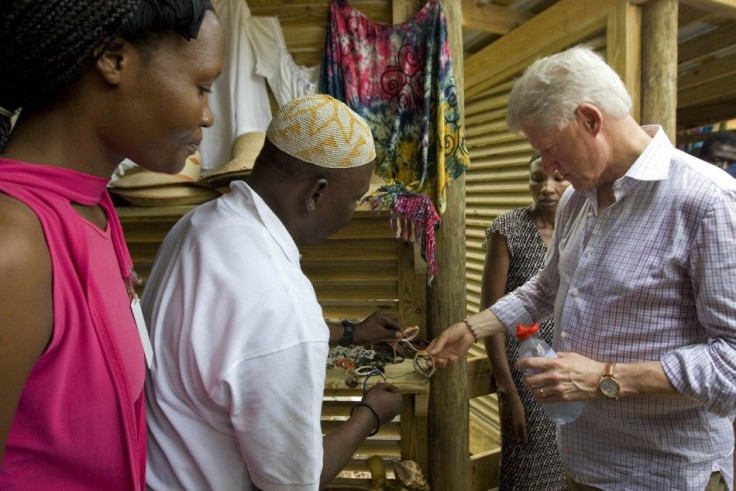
[286, 79]
[239, 98]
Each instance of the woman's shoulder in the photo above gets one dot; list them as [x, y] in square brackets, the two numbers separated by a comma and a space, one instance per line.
[23, 249]
[509, 221]
[509, 224]
[26, 277]
[20, 228]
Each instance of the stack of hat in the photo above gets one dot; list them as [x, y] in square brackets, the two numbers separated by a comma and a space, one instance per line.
[243, 155]
[141, 187]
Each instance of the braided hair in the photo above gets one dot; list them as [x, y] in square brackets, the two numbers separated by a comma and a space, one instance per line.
[46, 46]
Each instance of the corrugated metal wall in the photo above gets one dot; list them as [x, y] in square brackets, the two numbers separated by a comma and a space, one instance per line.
[498, 178]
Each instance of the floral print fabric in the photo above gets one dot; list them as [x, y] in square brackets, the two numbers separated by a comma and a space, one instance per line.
[399, 79]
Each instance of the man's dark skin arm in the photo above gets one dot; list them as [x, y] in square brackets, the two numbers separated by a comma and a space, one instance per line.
[375, 328]
[340, 444]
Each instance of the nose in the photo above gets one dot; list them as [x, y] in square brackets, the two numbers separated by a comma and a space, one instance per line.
[549, 165]
[208, 119]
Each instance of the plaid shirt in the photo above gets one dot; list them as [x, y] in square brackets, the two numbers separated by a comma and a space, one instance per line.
[653, 277]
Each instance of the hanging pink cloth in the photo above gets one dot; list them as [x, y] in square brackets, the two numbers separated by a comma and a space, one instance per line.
[80, 422]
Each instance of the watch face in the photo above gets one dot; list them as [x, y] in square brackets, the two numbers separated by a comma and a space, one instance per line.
[609, 387]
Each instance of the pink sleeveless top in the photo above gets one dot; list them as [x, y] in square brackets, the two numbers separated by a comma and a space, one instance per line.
[80, 422]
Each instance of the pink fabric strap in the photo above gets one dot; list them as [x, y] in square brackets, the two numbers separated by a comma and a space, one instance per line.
[77, 187]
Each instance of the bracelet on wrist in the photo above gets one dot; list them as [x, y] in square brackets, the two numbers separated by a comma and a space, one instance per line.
[470, 328]
[376, 419]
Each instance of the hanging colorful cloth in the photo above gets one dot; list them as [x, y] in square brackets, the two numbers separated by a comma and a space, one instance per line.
[416, 219]
[399, 79]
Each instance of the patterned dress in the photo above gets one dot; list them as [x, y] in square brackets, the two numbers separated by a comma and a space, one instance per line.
[399, 79]
[534, 465]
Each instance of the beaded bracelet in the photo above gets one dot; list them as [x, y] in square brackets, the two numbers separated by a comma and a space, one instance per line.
[375, 416]
[368, 370]
[470, 328]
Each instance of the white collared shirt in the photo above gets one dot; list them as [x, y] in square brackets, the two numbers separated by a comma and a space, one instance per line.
[235, 393]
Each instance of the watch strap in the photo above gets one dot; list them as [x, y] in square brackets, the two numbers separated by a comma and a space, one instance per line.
[608, 384]
[347, 333]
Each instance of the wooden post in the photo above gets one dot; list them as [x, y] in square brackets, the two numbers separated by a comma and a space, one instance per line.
[447, 418]
[448, 394]
[448, 401]
[659, 65]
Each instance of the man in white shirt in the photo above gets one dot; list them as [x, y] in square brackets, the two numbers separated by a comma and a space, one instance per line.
[640, 277]
[235, 392]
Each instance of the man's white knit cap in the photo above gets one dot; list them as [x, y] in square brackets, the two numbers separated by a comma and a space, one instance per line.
[323, 131]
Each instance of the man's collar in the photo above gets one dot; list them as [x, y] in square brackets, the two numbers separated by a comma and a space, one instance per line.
[654, 162]
[271, 221]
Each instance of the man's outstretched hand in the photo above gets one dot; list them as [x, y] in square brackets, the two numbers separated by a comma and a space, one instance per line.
[451, 345]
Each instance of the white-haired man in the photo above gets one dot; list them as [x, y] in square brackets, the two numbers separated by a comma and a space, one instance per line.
[235, 392]
[641, 278]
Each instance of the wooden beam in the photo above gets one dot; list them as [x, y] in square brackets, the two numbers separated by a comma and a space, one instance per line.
[707, 71]
[725, 7]
[538, 6]
[659, 65]
[692, 117]
[484, 469]
[476, 40]
[623, 49]
[303, 38]
[688, 15]
[414, 432]
[412, 287]
[479, 376]
[720, 89]
[712, 41]
[492, 18]
[403, 10]
[562, 25]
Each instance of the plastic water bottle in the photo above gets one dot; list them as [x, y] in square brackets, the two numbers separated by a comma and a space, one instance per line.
[534, 346]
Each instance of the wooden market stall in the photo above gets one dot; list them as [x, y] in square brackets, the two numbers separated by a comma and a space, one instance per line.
[359, 270]
[678, 60]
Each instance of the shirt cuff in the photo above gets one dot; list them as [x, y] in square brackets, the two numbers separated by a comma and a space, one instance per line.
[690, 372]
[511, 312]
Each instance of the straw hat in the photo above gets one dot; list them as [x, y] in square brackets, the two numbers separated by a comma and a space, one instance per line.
[141, 187]
[243, 153]
[168, 195]
[129, 175]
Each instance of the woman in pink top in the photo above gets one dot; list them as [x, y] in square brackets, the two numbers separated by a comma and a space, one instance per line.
[85, 84]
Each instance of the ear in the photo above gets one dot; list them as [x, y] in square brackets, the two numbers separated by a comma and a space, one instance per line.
[590, 117]
[113, 61]
[315, 193]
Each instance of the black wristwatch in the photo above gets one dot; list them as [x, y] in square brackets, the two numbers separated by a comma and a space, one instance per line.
[347, 333]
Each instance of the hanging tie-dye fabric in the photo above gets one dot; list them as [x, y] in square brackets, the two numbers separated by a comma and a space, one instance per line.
[399, 79]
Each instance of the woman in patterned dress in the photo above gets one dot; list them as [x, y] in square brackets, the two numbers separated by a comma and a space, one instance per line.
[516, 243]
